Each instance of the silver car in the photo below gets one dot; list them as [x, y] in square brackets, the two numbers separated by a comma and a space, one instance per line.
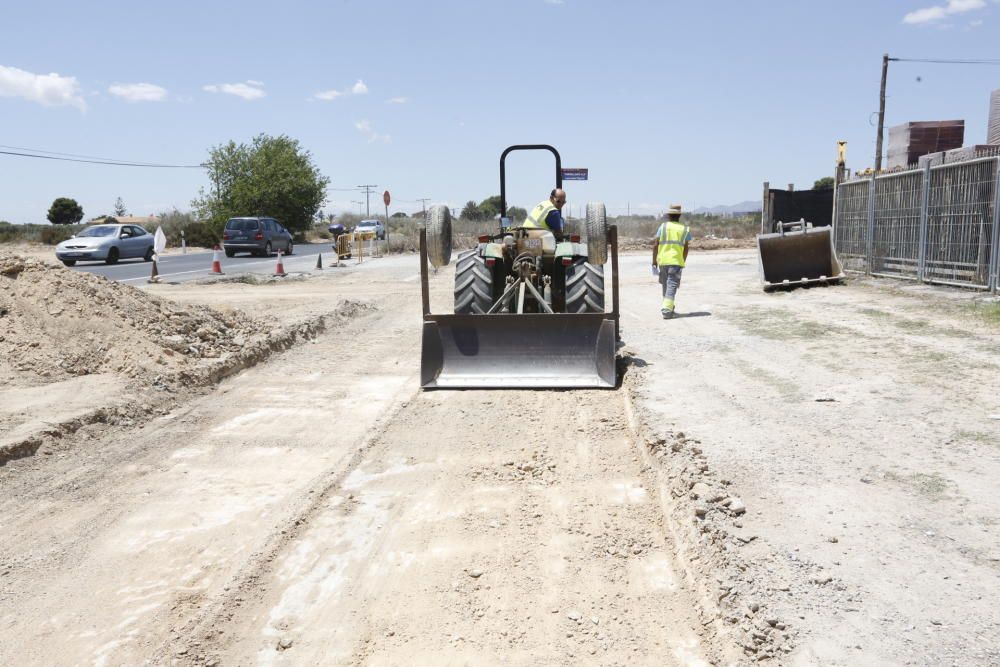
[371, 227]
[107, 243]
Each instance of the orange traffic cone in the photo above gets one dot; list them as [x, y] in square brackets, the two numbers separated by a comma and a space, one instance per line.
[319, 261]
[154, 277]
[216, 264]
[279, 270]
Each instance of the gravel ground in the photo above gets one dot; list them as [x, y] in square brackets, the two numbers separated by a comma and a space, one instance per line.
[800, 478]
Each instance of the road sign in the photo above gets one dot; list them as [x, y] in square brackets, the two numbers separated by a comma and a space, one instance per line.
[386, 198]
[575, 174]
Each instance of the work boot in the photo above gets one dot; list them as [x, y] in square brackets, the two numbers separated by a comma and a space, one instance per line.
[667, 314]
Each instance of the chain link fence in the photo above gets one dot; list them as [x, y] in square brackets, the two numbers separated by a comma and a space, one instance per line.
[939, 224]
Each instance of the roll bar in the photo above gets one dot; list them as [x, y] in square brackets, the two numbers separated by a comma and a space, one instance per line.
[503, 171]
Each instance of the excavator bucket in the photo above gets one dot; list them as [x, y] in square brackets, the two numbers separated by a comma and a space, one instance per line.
[529, 351]
[800, 257]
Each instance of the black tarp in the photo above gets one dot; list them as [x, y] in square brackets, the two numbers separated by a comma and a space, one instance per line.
[815, 206]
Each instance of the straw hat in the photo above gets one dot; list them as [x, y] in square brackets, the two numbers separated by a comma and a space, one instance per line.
[675, 209]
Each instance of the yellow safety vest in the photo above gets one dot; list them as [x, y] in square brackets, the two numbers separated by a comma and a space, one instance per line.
[672, 237]
[536, 219]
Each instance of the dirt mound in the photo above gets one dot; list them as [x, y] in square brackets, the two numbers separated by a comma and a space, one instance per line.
[56, 323]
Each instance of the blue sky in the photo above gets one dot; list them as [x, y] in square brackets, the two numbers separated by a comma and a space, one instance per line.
[662, 101]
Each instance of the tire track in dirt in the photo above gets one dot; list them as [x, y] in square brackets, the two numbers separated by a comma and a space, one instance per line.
[109, 550]
[479, 526]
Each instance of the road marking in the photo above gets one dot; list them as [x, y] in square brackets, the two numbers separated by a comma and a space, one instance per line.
[208, 272]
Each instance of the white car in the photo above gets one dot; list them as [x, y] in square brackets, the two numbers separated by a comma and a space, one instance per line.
[371, 227]
[106, 243]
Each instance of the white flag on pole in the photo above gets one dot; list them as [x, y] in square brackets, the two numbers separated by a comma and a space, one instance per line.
[159, 243]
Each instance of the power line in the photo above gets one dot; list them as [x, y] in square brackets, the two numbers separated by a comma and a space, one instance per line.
[886, 59]
[368, 191]
[116, 163]
[942, 61]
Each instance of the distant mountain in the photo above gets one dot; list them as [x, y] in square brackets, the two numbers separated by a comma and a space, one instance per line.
[742, 207]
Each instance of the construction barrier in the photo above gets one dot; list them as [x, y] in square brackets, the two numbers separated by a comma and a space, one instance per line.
[343, 247]
[937, 224]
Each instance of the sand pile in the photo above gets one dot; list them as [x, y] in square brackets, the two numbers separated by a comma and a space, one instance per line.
[56, 323]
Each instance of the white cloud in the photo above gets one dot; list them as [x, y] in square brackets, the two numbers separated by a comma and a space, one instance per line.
[554, 2]
[139, 92]
[328, 95]
[359, 88]
[938, 12]
[49, 90]
[255, 83]
[365, 128]
[251, 90]
[397, 100]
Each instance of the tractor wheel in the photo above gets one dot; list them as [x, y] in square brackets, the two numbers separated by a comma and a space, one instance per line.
[438, 225]
[473, 284]
[597, 234]
[584, 287]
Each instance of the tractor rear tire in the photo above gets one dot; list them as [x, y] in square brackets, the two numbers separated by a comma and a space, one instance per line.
[473, 284]
[597, 234]
[438, 225]
[584, 287]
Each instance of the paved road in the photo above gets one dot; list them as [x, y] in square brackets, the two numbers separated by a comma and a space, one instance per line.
[197, 265]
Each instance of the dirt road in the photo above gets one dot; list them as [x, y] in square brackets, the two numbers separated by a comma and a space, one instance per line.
[805, 477]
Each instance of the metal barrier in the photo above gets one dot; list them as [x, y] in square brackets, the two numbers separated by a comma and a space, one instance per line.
[850, 227]
[939, 224]
[960, 223]
[895, 248]
[343, 247]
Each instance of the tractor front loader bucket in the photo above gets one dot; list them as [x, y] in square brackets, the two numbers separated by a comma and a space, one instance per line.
[800, 257]
[530, 351]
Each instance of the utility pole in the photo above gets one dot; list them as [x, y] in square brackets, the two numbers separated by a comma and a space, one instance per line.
[423, 204]
[359, 203]
[881, 112]
[368, 191]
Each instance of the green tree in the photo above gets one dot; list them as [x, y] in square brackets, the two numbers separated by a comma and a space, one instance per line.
[120, 209]
[271, 176]
[472, 212]
[517, 214]
[824, 183]
[490, 207]
[65, 211]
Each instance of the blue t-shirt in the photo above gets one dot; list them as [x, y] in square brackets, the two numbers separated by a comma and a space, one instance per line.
[555, 221]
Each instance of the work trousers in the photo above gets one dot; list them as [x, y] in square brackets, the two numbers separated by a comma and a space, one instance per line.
[670, 279]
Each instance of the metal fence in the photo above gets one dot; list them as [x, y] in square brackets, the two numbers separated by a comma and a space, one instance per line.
[939, 224]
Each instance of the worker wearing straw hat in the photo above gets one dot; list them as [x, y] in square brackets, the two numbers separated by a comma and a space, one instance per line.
[670, 250]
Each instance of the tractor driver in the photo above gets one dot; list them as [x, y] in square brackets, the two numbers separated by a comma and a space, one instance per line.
[548, 214]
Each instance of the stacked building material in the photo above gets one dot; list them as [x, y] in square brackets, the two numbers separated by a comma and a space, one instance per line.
[931, 159]
[970, 153]
[993, 129]
[907, 142]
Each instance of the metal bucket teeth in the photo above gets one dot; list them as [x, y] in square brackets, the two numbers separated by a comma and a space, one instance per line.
[531, 351]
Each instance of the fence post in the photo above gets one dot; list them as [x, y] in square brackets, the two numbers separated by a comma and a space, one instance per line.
[870, 235]
[994, 279]
[925, 199]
